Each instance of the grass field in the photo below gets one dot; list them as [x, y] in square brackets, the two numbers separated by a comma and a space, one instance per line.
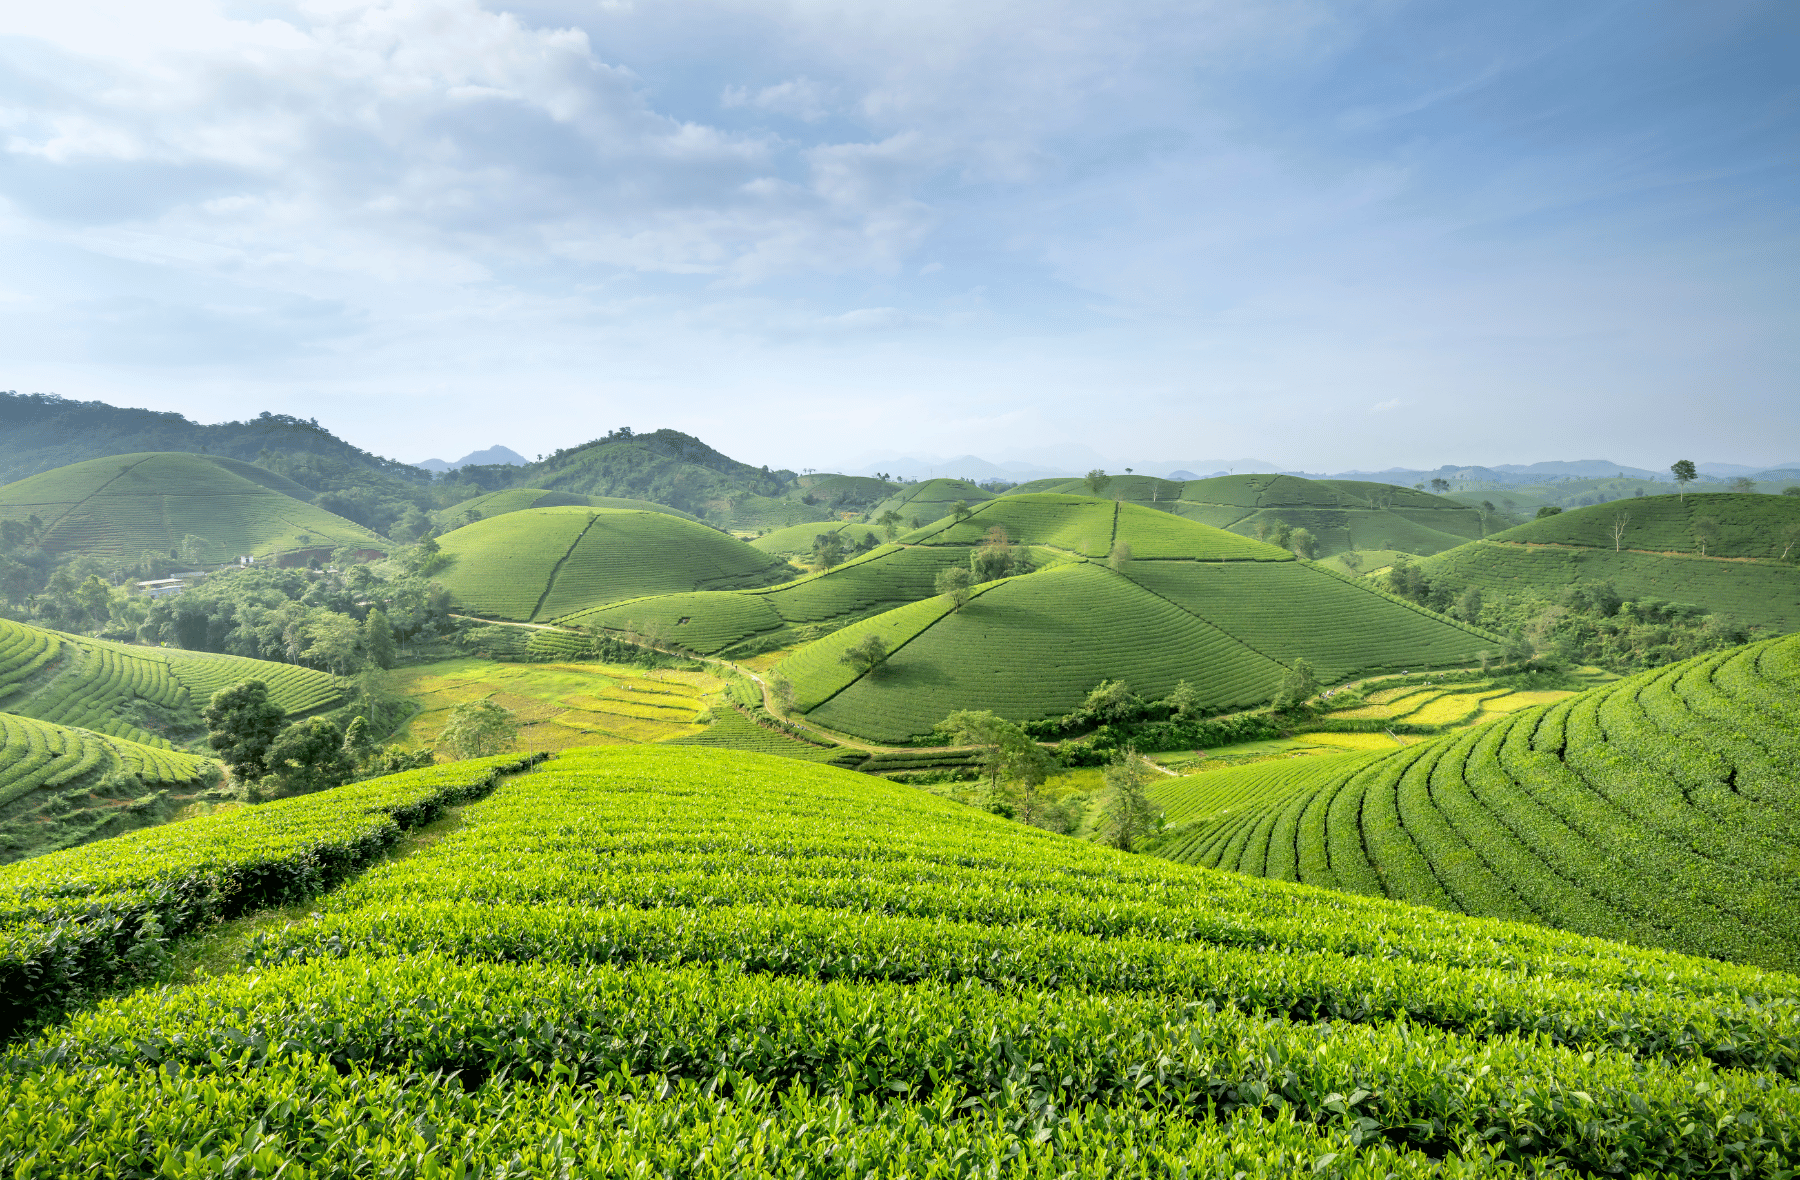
[1755, 593]
[519, 499]
[544, 563]
[664, 961]
[150, 695]
[1658, 809]
[558, 705]
[125, 505]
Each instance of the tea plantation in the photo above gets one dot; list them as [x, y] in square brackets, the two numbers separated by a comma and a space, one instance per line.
[542, 563]
[137, 693]
[124, 505]
[1659, 809]
[519, 499]
[1340, 514]
[659, 962]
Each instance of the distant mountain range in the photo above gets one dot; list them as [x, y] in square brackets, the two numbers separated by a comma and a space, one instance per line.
[505, 455]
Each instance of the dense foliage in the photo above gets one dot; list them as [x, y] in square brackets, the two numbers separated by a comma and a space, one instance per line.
[655, 961]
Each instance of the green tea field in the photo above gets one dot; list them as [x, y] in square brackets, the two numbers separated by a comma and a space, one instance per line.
[519, 499]
[1657, 809]
[543, 563]
[124, 505]
[662, 961]
[141, 694]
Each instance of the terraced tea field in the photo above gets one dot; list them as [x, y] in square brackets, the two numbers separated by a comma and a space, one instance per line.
[139, 694]
[123, 505]
[558, 705]
[545, 563]
[1718, 524]
[1658, 809]
[658, 960]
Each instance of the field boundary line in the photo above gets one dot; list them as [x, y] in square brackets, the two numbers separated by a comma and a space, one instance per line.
[555, 570]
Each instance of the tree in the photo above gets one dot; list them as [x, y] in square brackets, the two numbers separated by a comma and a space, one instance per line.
[1120, 557]
[1112, 700]
[1184, 700]
[480, 728]
[1297, 687]
[242, 723]
[359, 742]
[333, 640]
[1792, 489]
[1440, 485]
[1706, 532]
[1008, 754]
[997, 557]
[1129, 816]
[1304, 544]
[956, 583]
[1685, 474]
[1620, 521]
[378, 639]
[827, 550]
[1743, 483]
[1548, 510]
[865, 653]
[1352, 560]
[1468, 605]
[1791, 537]
[959, 511]
[309, 756]
[782, 690]
[1096, 480]
[1280, 533]
[889, 522]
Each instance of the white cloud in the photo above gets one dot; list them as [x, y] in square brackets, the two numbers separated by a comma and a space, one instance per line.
[802, 98]
[1392, 403]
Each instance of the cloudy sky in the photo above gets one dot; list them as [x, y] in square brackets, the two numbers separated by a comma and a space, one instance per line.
[1336, 233]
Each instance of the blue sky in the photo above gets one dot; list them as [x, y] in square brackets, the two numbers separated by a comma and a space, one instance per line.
[1334, 234]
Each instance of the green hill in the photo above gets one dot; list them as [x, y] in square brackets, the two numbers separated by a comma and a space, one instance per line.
[798, 539]
[151, 695]
[1341, 514]
[927, 501]
[40, 432]
[660, 961]
[1742, 577]
[1192, 603]
[519, 499]
[125, 505]
[543, 563]
[1659, 809]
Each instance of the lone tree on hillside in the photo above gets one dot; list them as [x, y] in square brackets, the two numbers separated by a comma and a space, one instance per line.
[1440, 485]
[1008, 755]
[1304, 544]
[1743, 483]
[1620, 522]
[1120, 556]
[865, 653]
[828, 550]
[1548, 510]
[480, 728]
[1130, 816]
[242, 723]
[1095, 481]
[1297, 687]
[309, 756]
[889, 522]
[955, 582]
[1685, 474]
[1706, 532]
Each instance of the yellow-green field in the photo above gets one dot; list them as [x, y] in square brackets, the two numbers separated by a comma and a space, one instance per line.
[558, 705]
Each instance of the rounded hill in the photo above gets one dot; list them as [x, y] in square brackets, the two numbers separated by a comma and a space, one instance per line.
[921, 503]
[1735, 555]
[1228, 614]
[518, 499]
[543, 563]
[1659, 809]
[198, 507]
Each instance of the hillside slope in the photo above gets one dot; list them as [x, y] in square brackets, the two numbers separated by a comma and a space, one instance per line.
[1743, 576]
[687, 962]
[1659, 809]
[1196, 603]
[1340, 514]
[151, 695]
[123, 505]
[518, 499]
[543, 563]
